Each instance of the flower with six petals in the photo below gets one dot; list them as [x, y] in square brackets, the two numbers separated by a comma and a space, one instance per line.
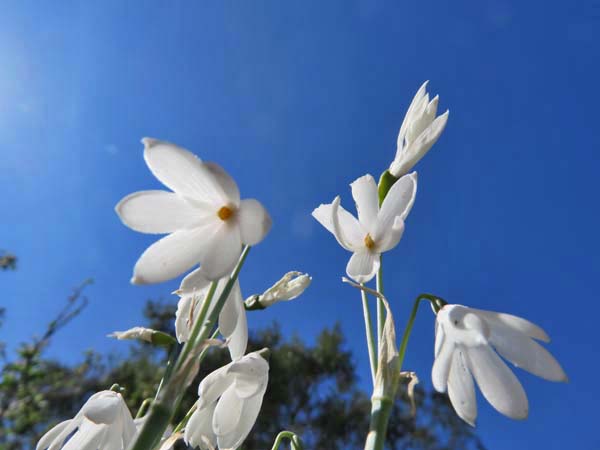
[465, 341]
[204, 216]
[377, 230]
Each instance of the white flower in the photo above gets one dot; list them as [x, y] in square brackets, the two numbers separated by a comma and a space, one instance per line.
[103, 422]
[377, 230]
[419, 131]
[230, 400]
[232, 318]
[290, 286]
[207, 221]
[464, 348]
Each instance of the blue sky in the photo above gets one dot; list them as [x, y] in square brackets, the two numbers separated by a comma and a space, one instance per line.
[296, 100]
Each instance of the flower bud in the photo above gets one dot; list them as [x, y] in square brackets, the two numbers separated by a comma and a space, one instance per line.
[291, 285]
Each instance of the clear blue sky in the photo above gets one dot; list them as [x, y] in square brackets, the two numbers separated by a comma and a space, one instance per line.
[296, 100]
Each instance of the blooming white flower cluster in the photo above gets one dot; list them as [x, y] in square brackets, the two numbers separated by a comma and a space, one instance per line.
[465, 337]
[208, 224]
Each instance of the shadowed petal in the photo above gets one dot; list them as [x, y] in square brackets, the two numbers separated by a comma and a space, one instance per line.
[254, 220]
[364, 192]
[461, 389]
[183, 172]
[397, 203]
[248, 415]
[174, 254]
[498, 384]
[525, 353]
[363, 266]
[347, 231]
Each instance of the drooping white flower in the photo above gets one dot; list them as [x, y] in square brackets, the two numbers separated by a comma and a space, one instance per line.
[232, 318]
[207, 221]
[377, 230]
[290, 286]
[229, 403]
[419, 131]
[464, 349]
[103, 422]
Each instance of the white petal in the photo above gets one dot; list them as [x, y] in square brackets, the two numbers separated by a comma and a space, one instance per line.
[233, 324]
[397, 203]
[174, 254]
[129, 428]
[248, 415]
[251, 365]
[193, 290]
[213, 386]
[408, 118]
[441, 366]
[363, 266]
[228, 184]
[223, 252]
[199, 431]
[227, 414]
[461, 389]
[353, 234]
[183, 172]
[416, 150]
[52, 434]
[88, 437]
[498, 384]
[194, 282]
[364, 192]
[439, 338]
[391, 236]
[104, 409]
[515, 323]
[254, 221]
[526, 353]
[157, 212]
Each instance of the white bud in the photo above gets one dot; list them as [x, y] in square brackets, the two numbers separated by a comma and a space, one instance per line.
[135, 333]
[288, 288]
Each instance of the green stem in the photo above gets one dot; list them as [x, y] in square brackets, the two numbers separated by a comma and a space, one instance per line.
[380, 305]
[381, 408]
[295, 441]
[143, 408]
[369, 334]
[436, 304]
[163, 409]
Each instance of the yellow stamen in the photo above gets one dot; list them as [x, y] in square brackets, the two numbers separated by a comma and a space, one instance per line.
[369, 242]
[225, 213]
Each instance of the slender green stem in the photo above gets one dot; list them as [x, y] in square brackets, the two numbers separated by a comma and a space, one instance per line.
[369, 335]
[380, 306]
[169, 369]
[143, 408]
[295, 440]
[436, 304]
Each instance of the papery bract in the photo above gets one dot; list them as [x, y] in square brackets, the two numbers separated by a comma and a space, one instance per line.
[464, 349]
[377, 230]
[229, 403]
[207, 221]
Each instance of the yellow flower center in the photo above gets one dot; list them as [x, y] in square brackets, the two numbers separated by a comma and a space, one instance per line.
[369, 242]
[225, 213]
